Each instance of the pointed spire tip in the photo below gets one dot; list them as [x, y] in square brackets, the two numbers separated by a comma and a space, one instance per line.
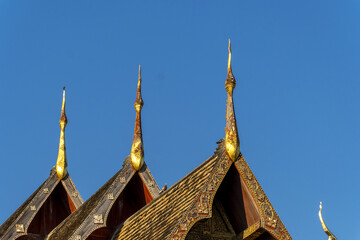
[229, 59]
[232, 142]
[137, 150]
[61, 163]
[139, 102]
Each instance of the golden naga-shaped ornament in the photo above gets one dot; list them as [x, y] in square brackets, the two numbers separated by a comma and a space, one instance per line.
[61, 163]
[326, 230]
[232, 142]
[137, 148]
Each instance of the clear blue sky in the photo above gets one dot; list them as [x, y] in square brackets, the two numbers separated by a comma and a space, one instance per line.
[297, 96]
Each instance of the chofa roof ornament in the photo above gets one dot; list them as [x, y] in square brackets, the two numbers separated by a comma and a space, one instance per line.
[326, 230]
[232, 142]
[137, 148]
[61, 163]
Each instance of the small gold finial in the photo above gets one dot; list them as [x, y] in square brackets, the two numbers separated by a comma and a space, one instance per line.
[139, 102]
[137, 148]
[232, 142]
[326, 230]
[229, 58]
[230, 80]
[61, 163]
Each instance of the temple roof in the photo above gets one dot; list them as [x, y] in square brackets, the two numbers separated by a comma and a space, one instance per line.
[190, 201]
[159, 218]
[125, 193]
[176, 210]
[130, 205]
[51, 203]
[94, 213]
[19, 222]
[10, 221]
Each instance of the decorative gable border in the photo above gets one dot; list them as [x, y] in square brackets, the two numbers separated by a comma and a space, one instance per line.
[201, 208]
[20, 225]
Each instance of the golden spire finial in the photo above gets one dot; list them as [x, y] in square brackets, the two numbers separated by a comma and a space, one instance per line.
[232, 142]
[229, 58]
[61, 163]
[326, 230]
[137, 148]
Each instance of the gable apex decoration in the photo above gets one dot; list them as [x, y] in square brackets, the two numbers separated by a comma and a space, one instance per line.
[61, 163]
[54, 200]
[130, 189]
[137, 148]
[232, 142]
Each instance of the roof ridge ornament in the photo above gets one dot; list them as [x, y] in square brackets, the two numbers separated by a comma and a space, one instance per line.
[326, 230]
[61, 163]
[137, 148]
[232, 142]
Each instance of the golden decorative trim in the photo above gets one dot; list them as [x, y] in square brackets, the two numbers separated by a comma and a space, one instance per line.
[20, 228]
[232, 142]
[98, 218]
[122, 180]
[326, 230]
[61, 163]
[137, 148]
[202, 206]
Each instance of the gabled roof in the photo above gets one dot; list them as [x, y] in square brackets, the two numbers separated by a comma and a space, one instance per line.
[25, 220]
[96, 212]
[124, 194]
[174, 212]
[51, 203]
[190, 201]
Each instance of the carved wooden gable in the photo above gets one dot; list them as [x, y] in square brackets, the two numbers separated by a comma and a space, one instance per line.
[50, 204]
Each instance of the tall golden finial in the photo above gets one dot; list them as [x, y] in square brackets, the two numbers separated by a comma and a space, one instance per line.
[326, 230]
[61, 163]
[137, 148]
[232, 142]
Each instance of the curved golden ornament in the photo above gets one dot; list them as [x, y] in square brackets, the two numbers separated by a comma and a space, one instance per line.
[232, 142]
[61, 163]
[326, 230]
[137, 148]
